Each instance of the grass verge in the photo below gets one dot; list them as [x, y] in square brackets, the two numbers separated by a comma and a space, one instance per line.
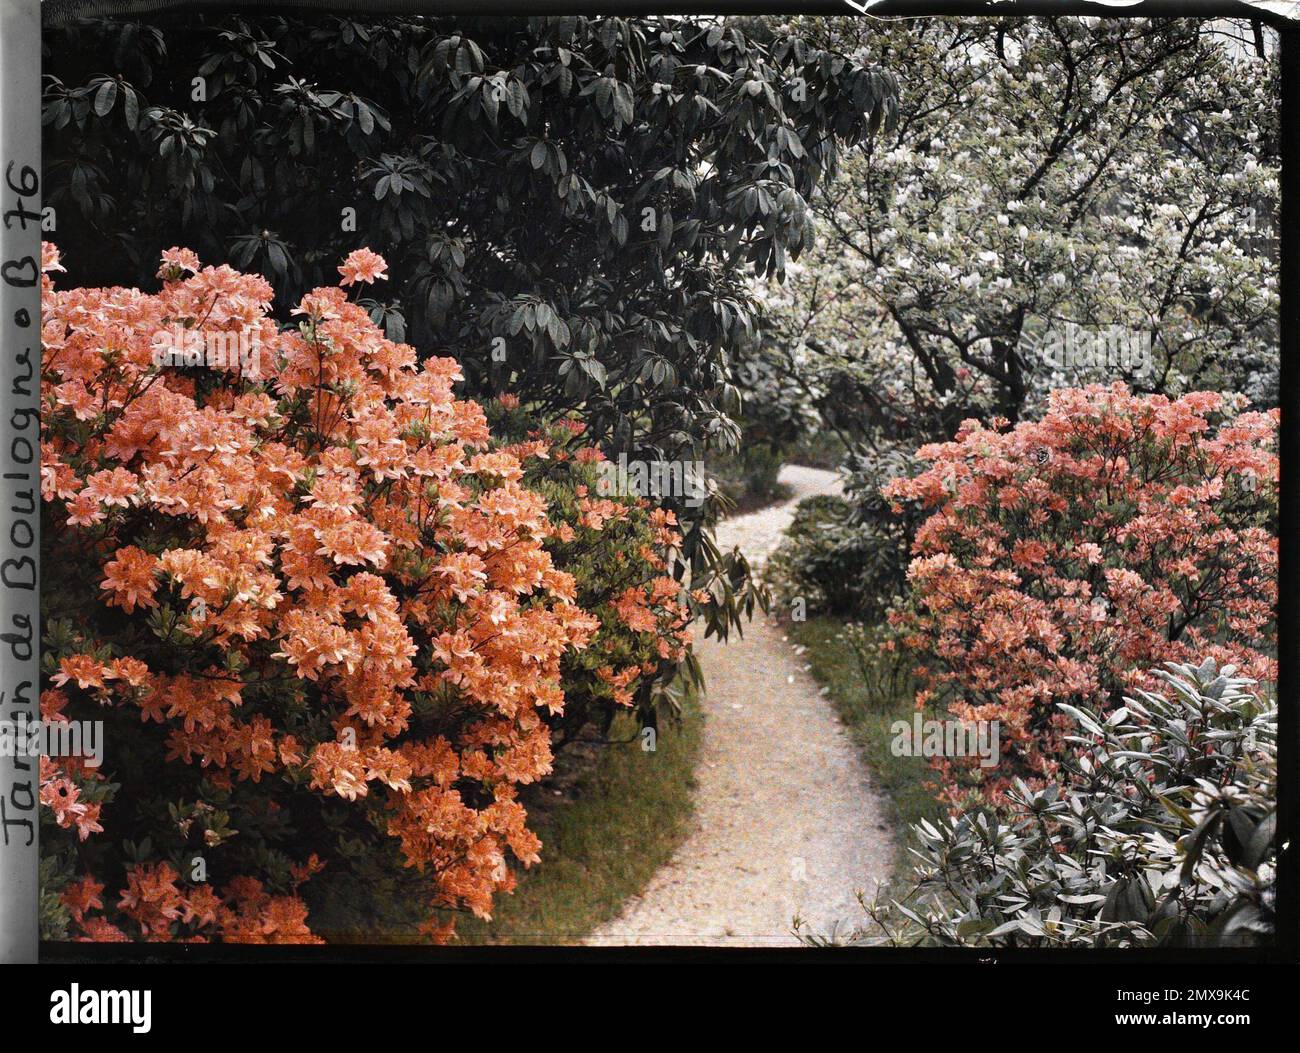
[613, 827]
[901, 780]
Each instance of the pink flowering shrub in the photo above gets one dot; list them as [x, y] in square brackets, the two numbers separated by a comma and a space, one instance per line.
[1064, 558]
[315, 607]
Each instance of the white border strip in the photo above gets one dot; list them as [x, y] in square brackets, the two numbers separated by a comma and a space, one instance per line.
[20, 356]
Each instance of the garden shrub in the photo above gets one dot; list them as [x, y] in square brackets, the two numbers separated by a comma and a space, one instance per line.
[775, 415]
[848, 556]
[317, 610]
[442, 131]
[1063, 558]
[884, 670]
[820, 560]
[822, 449]
[748, 479]
[1161, 832]
[618, 549]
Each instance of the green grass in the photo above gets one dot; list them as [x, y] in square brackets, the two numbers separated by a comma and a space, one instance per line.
[868, 717]
[620, 822]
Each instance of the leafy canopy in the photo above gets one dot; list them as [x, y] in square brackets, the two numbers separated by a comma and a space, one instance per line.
[581, 194]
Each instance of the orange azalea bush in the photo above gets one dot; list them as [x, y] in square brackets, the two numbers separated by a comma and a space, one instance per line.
[316, 608]
[1066, 557]
[619, 550]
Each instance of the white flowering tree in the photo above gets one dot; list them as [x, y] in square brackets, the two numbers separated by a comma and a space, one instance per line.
[1051, 183]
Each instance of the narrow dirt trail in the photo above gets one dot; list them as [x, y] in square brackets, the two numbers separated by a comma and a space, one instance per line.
[786, 820]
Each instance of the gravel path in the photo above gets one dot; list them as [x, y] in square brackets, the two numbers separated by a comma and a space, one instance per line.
[786, 820]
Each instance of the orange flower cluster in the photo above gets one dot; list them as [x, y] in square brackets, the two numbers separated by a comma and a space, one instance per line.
[325, 584]
[152, 899]
[657, 610]
[618, 549]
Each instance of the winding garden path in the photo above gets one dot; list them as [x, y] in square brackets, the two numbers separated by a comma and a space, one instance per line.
[786, 820]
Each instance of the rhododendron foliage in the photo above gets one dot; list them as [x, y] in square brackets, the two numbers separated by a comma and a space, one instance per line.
[315, 606]
[1066, 557]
